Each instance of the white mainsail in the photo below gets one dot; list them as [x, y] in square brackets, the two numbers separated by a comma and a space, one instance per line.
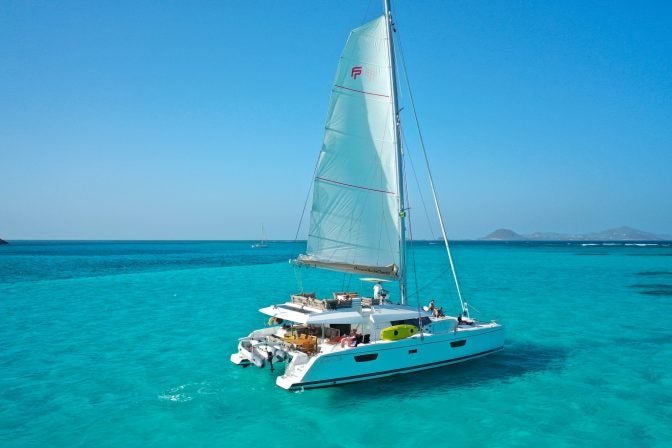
[354, 221]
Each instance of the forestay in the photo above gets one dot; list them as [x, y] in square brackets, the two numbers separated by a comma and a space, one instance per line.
[354, 223]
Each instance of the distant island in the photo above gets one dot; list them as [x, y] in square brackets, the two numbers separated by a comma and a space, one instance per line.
[3, 241]
[623, 233]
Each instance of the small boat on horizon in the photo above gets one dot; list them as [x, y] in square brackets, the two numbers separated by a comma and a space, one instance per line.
[358, 227]
[262, 243]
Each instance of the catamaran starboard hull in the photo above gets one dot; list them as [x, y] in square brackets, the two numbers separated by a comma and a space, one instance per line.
[382, 359]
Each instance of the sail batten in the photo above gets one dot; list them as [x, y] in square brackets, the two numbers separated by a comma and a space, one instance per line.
[361, 187]
[361, 91]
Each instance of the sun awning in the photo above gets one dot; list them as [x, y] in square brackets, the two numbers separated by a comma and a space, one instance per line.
[307, 316]
[375, 280]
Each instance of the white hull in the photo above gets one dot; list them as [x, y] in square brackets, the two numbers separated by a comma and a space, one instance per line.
[386, 358]
[330, 363]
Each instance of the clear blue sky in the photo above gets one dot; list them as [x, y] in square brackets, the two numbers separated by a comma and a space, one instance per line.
[201, 120]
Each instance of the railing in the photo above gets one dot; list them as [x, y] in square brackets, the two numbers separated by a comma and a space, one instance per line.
[257, 334]
[340, 300]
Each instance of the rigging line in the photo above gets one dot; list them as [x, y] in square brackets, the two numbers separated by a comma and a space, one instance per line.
[410, 232]
[417, 183]
[346, 281]
[298, 278]
[305, 203]
[431, 180]
[476, 309]
[438, 277]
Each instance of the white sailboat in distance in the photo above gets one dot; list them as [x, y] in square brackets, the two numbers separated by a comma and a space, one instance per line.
[262, 243]
[357, 226]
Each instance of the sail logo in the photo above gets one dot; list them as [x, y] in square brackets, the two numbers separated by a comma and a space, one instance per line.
[370, 73]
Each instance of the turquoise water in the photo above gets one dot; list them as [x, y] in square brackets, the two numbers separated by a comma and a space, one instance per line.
[124, 344]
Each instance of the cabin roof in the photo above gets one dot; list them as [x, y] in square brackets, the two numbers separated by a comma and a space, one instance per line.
[306, 315]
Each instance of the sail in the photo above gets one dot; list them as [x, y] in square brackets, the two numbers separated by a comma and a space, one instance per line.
[354, 221]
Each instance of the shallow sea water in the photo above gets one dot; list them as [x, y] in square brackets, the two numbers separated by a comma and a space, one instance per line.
[128, 343]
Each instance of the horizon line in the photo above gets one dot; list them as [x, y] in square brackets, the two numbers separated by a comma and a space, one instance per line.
[484, 240]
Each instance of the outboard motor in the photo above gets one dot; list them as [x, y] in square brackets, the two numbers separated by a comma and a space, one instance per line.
[280, 355]
[258, 360]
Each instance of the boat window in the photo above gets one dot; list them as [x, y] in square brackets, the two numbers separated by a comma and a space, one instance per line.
[328, 333]
[459, 343]
[424, 322]
[364, 358]
[415, 350]
[344, 329]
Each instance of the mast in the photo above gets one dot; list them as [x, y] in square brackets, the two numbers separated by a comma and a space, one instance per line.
[397, 139]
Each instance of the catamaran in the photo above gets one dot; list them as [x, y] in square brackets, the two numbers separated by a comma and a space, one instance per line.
[357, 226]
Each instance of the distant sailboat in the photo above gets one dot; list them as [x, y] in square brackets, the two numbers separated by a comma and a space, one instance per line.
[358, 226]
[262, 243]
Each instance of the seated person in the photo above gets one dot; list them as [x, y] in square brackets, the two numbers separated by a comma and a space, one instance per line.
[350, 340]
[464, 320]
[438, 312]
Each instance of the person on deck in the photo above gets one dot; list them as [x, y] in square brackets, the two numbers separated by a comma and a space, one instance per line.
[379, 293]
[351, 340]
